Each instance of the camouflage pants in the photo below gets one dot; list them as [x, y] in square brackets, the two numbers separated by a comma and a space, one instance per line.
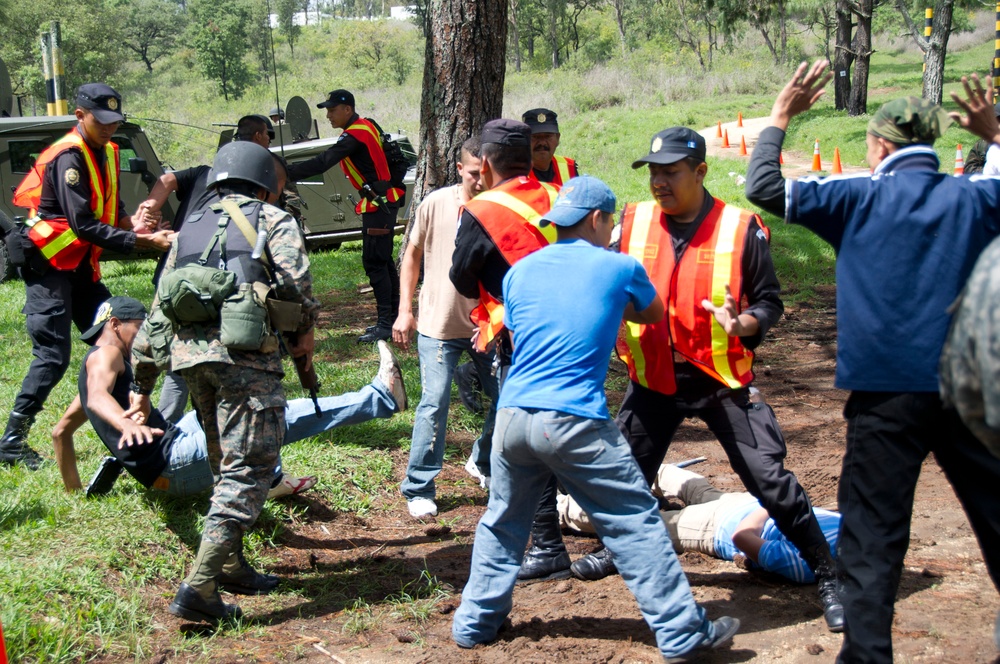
[242, 411]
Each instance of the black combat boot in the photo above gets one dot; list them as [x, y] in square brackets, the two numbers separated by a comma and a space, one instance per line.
[14, 447]
[594, 566]
[239, 578]
[198, 597]
[821, 563]
[547, 559]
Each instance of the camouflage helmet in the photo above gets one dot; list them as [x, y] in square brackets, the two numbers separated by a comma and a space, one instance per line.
[246, 162]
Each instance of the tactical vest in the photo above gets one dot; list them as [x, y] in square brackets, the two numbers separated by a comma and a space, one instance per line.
[231, 251]
[713, 259]
[510, 214]
[55, 238]
[371, 138]
[563, 168]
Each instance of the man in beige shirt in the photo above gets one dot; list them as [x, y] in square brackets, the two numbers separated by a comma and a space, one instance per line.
[444, 332]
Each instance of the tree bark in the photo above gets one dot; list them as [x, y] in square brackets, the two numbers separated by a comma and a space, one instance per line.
[843, 55]
[464, 73]
[935, 49]
[857, 104]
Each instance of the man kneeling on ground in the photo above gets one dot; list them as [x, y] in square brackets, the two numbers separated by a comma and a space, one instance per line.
[174, 458]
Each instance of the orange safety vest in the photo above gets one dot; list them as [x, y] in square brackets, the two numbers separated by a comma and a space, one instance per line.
[713, 259]
[510, 214]
[564, 168]
[365, 131]
[54, 237]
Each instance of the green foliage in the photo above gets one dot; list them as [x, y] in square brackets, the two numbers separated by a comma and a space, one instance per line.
[376, 50]
[286, 10]
[220, 38]
[150, 28]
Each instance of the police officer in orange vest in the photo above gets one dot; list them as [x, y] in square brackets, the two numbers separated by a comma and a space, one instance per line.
[75, 213]
[497, 228]
[546, 166]
[711, 264]
[361, 156]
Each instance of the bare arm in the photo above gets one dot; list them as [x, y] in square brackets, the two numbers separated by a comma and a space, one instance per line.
[409, 272]
[103, 368]
[652, 314]
[747, 536]
[62, 441]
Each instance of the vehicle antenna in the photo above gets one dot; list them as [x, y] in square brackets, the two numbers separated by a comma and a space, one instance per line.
[274, 70]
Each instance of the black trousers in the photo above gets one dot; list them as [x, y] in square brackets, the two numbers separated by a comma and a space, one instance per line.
[53, 303]
[376, 257]
[888, 437]
[752, 440]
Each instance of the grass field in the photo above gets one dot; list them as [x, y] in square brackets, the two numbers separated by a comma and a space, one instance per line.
[77, 575]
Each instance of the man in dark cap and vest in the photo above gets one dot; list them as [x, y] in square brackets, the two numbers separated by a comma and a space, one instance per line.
[235, 387]
[361, 156]
[75, 213]
[906, 237]
[499, 227]
[711, 264]
[545, 167]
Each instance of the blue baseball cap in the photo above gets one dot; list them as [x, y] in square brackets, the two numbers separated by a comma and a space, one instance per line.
[578, 198]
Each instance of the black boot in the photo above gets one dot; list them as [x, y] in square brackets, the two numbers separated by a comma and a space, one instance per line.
[190, 605]
[594, 566]
[239, 578]
[821, 563]
[14, 445]
[547, 559]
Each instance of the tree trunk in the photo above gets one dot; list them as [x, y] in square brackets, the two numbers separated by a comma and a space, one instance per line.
[515, 35]
[857, 104]
[464, 73]
[843, 56]
[936, 51]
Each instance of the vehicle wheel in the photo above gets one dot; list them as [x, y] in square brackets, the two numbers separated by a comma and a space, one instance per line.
[7, 271]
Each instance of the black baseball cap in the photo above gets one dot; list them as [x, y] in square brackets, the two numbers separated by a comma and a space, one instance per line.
[120, 307]
[541, 121]
[506, 132]
[672, 145]
[337, 97]
[101, 100]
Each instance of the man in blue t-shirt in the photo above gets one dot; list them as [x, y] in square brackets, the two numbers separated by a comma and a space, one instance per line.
[563, 306]
[906, 237]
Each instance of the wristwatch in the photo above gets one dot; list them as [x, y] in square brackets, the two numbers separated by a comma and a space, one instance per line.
[138, 389]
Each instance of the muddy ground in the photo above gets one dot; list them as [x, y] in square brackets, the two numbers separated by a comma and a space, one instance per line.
[945, 610]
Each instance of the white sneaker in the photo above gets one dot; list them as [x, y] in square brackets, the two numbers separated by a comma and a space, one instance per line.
[421, 507]
[291, 486]
[391, 375]
[472, 469]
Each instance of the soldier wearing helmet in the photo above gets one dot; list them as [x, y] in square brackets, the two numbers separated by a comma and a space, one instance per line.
[237, 392]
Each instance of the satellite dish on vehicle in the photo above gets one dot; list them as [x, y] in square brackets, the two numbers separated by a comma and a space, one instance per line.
[298, 117]
[6, 92]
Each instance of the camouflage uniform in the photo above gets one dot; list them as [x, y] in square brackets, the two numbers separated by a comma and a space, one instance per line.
[238, 394]
[970, 361]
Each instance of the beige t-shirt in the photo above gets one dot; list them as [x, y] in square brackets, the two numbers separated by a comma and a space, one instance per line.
[442, 312]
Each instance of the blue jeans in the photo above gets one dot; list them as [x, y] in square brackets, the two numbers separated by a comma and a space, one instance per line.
[594, 463]
[438, 359]
[189, 472]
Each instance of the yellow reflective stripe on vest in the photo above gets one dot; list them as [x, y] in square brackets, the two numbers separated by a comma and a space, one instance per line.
[562, 167]
[729, 223]
[641, 221]
[61, 241]
[521, 209]
[370, 130]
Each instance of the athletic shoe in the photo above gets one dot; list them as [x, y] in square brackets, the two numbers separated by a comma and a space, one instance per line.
[290, 486]
[421, 507]
[725, 630]
[472, 469]
[391, 375]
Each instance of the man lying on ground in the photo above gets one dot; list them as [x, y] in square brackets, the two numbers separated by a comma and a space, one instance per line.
[730, 526]
[174, 458]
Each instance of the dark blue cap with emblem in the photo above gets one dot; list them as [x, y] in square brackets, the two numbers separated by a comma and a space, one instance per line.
[541, 121]
[672, 145]
[506, 132]
[337, 97]
[101, 100]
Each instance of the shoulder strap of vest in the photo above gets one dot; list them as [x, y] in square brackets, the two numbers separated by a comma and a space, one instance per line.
[236, 214]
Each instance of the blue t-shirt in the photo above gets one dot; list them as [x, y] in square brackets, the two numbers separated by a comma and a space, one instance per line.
[564, 304]
[906, 239]
[777, 555]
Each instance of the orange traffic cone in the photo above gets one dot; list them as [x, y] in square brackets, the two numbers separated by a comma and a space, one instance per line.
[959, 161]
[817, 165]
[837, 170]
[725, 138]
[739, 119]
[718, 129]
[743, 146]
[3, 649]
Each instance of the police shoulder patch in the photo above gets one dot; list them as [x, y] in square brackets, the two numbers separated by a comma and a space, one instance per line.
[72, 177]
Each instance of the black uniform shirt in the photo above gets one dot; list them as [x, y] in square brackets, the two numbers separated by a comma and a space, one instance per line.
[60, 199]
[192, 192]
[346, 146]
[548, 175]
[476, 259]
